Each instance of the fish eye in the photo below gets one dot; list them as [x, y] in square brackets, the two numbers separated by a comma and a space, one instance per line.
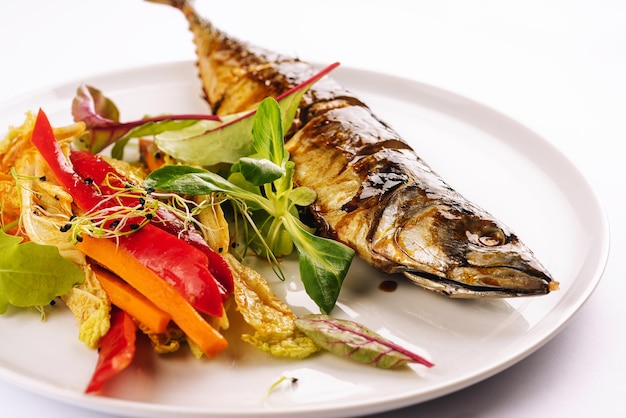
[487, 234]
[492, 238]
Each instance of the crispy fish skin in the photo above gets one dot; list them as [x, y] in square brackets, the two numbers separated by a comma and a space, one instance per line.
[373, 192]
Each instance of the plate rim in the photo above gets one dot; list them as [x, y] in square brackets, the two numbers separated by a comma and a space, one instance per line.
[137, 408]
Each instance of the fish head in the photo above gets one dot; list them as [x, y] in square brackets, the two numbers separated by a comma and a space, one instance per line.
[460, 251]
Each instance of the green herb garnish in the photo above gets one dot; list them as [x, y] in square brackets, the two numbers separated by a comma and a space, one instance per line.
[261, 185]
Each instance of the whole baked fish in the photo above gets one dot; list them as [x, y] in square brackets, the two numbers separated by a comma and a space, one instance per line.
[374, 193]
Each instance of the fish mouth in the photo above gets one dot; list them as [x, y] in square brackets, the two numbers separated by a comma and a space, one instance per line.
[485, 282]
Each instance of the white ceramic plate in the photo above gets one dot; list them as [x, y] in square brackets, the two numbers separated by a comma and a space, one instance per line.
[492, 160]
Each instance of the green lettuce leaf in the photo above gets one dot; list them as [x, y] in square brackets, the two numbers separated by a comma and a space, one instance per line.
[32, 274]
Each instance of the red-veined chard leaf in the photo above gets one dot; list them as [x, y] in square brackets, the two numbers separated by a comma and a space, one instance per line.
[356, 342]
[231, 139]
[102, 119]
[32, 274]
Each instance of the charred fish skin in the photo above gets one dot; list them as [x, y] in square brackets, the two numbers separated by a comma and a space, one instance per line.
[374, 193]
[377, 196]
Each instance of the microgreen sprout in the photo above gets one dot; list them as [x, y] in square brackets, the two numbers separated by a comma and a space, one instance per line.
[108, 220]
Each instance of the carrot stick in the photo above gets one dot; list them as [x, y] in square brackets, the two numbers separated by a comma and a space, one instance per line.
[130, 300]
[163, 295]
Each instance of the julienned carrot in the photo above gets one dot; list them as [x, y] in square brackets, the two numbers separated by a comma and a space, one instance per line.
[163, 295]
[134, 303]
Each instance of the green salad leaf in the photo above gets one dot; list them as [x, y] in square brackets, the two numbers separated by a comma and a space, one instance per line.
[262, 183]
[32, 274]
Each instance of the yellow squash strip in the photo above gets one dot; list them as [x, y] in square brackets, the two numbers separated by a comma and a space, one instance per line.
[164, 296]
[134, 303]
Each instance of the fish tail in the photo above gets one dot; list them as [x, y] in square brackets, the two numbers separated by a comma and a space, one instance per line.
[207, 39]
[186, 6]
[235, 75]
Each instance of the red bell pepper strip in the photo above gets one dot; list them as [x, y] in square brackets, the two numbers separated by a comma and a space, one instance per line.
[116, 351]
[88, 165]
[181, 265]
[158, 250]
[43, 138]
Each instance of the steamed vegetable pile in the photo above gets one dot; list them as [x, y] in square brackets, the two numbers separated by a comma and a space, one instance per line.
[108, 236]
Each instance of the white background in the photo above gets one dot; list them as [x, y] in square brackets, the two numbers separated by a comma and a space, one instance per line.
[557, 67]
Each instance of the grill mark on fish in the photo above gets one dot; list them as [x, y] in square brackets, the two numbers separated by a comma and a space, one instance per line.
[373, 192]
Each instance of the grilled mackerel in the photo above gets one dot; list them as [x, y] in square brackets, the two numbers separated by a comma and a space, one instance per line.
[374, 193]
